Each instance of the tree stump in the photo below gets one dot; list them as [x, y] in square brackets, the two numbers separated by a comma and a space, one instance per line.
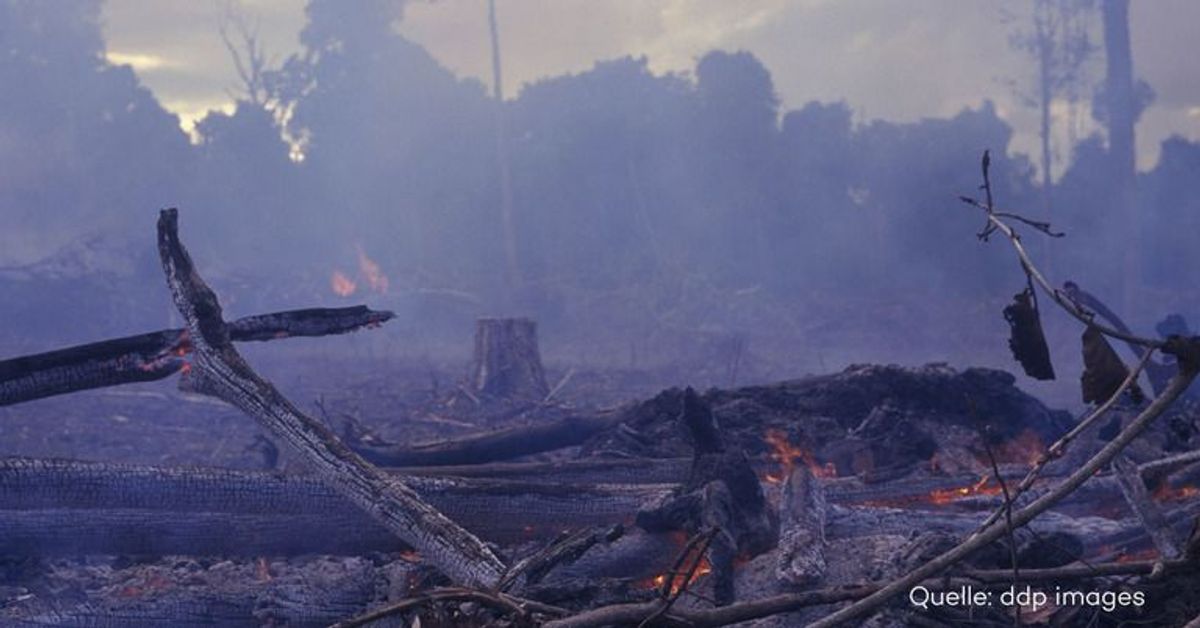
[507, 363]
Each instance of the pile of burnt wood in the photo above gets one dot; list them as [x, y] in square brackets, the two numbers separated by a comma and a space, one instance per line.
[769, 504]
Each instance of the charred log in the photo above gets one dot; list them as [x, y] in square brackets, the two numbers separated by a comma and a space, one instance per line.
[802, 529]
[64, 507]
[505, 444]
[160, 354]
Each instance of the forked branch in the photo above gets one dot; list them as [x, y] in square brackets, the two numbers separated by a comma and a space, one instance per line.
[219, 370]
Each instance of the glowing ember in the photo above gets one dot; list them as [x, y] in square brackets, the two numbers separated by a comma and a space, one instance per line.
[677, 580]
[941, 496]
[786, 454]
[342, 285]
[410, 556]
[945, 496]
[1167, 493]
[369, 269]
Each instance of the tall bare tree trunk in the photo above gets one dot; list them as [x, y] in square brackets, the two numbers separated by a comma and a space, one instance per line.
[512, 268]
[1122, 115]
[1045, 49]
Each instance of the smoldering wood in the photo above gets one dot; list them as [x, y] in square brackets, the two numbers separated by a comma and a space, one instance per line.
[722, 493]
[801, 529]
[219, 371]
[157, 355]
[507, 363]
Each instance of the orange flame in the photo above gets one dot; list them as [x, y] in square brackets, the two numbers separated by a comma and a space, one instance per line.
[371, 271]
[786, 454]
[947, 495]
[677, 582]
[1167, 493]
[342, 285]
[941, 496]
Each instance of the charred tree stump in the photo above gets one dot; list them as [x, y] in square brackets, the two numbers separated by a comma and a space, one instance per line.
[507, 363]
[802, 529]
[722, 493]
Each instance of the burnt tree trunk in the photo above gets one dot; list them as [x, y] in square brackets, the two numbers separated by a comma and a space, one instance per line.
[507, 362]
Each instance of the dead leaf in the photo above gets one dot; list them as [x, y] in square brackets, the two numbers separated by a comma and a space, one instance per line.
[1026, 340]
[1103, 370]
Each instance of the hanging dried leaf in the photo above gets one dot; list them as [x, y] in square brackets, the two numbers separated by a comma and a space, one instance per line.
[1103, 370]
[1026, 339]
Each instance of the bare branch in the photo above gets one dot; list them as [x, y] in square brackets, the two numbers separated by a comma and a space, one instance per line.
[218, 370]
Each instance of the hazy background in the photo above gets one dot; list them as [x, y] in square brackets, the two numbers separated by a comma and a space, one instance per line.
[692, 183]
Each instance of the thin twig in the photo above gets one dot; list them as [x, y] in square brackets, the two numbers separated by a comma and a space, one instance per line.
[620, 614]
[1007, 508]
[1059, 298]
[696, 547]
[506, 603]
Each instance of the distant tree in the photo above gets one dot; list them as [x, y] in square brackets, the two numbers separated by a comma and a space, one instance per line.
[85, 146]
[249, 59]
[1175, 219]
[1061, 45]
[736, 143]
[398, 150]
[1119, 105]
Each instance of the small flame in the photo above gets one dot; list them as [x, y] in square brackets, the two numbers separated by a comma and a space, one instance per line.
[342, 285]
[677, 580]
[371, 271]
[947, 495]
[786, 454]
[941, 496]
[410, 556]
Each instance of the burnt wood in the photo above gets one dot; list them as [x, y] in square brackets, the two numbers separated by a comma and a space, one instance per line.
[157, 355]
[503, 444]
[220, 371]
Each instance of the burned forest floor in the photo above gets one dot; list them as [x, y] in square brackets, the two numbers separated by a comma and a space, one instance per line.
[907, 458]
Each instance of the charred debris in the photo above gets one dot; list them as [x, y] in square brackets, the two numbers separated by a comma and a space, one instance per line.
[816, 501]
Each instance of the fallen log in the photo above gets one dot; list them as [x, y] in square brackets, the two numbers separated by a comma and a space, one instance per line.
[504, 444]
[582, 471]
[157, 355]
[69, 508]
[220, 371]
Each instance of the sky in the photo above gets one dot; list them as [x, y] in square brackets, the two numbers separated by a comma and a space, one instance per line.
[897, 61]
